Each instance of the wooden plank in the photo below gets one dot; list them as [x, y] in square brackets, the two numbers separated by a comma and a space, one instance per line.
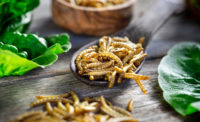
[150, 107]
[18, 96]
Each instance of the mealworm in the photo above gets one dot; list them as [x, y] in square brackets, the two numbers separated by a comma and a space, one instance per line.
[108, 44]
[27, 115]
[49, 107]
[61, 106]
[56, 99]
[122, 111]
[98, 73]
[101, 70]
[60, 111]
[121, 44]
[112, 56]
[75, 97]
[141, 40]
[127, 58]
[137, 58]
[105, 108]
[102, 45]
[119, 70]
[70, 108]
[130, 105]
[136, 76]
[53, 96]
[112, 79]
[80, 56]
[119, 39]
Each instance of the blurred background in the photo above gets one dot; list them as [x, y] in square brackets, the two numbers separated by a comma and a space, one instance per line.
[182, 27]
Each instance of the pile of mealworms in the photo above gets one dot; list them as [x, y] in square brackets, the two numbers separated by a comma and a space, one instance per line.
[96, 3]
[113, 59]
[69, 108]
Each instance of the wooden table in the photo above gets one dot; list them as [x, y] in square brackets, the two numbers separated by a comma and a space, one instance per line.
[16, 93]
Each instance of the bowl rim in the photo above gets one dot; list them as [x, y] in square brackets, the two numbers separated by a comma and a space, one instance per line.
[116, 7]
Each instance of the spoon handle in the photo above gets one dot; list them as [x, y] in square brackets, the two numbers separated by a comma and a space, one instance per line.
[150, 22]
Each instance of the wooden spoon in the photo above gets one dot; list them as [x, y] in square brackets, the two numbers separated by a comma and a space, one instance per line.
[145, 26]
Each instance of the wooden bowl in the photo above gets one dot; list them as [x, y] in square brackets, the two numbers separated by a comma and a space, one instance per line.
[92, 21]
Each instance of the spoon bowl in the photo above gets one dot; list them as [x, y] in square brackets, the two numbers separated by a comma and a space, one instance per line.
[145, 26]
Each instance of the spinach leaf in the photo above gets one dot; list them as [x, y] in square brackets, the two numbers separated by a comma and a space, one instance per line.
[12, 64]
[30, 43]
[179, 78]
[14, 12]
[20, 52]
[20, 23]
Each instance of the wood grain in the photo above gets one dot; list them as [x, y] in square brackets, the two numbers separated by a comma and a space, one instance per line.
[91, 21]
[150, 107]
[17, 92]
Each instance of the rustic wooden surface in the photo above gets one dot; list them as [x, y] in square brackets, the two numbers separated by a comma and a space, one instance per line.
[16, 93]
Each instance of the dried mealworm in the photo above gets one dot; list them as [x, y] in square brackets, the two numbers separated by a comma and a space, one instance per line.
[121, 44]
[119, 39]
[101, 70]
[49, 107]
[108, 110]
[119, 70]
[112, 79]
[91, 77]
[75, 98]
[136, 76]
[42, 101]
[60, 111]
[112, 56]
[102, 45]
[27, 115]
[78, 63]
[53, 96]
[137, 58]
[101, 118]
[70, 108]
[98, 73]
[108, 44]
[61, 106]
[130, 105]
[128, 57]
[121, 111]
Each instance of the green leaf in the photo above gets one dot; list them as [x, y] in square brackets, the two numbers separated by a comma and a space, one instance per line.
[179, 78]
[13, 13]
[62, 39]
[37, 50]
[9, 47]
[30, 43]
[23, 54]
[20, 23]
[12, 64]
[46, 59]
